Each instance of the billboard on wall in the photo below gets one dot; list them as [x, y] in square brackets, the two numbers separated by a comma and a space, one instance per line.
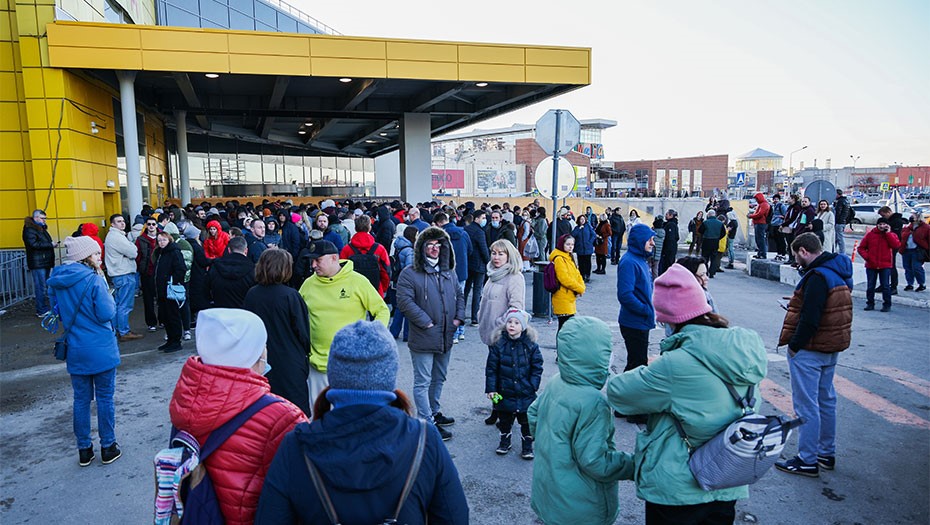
[448, 179]
[496, 181]
[589, 149]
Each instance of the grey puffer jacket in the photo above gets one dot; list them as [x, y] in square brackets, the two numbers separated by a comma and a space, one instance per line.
[428, 295]
[496, 299]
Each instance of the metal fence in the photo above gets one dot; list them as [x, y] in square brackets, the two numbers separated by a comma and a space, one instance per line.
[15, 282]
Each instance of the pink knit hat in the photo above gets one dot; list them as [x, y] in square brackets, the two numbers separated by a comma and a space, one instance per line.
[678, 296]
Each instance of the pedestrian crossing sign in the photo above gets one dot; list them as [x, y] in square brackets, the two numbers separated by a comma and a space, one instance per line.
[886, 186]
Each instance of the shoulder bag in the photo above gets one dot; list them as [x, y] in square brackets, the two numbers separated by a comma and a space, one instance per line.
[61, 345]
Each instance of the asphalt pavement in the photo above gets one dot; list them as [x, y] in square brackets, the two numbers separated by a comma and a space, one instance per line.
[883, 457]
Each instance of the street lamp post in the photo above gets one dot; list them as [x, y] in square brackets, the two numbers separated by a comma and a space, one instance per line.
[791, 169]
[855, 158]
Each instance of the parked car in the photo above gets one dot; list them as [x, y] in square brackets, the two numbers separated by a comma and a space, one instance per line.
[924, 210]
[867, 213]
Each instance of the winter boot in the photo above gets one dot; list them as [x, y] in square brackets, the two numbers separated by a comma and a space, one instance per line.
[527, 452]
[504, 447]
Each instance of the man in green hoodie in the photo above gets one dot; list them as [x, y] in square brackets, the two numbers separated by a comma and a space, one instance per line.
[577, 465]
[336, 296]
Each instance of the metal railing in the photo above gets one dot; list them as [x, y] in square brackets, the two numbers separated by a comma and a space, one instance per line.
[15, 282]
[303, 17]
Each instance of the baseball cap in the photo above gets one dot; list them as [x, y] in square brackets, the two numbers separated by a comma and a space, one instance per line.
[320, 248]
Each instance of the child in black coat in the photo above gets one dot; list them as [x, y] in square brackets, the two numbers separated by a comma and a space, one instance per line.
[512, 377]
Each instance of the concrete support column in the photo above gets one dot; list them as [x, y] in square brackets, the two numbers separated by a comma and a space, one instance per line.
[127, 95]
[416, 176]
[180, 118]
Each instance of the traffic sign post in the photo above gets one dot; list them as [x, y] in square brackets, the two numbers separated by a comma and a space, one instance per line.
[557, 133]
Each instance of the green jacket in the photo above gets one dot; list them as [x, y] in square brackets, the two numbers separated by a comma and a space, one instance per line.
[335, 302]
[577, 467]
[187, 252]
[687, 380]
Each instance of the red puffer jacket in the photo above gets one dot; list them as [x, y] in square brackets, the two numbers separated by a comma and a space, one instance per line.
[877, 248]
[921, 236]
[206, 397]
[215, 247]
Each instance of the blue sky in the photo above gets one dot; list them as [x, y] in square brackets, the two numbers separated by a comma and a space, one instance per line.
[707, 77]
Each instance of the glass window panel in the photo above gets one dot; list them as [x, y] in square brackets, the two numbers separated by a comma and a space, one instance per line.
[329, 177]
[286, 24]
[312, 162]
[214, 12]
[316, 176]
[294, 173]
[265, 14]
[304, 29]
[265, 27]
[328, 162]
[181, 18]
[240, 21]
[243, 6]
[343, 163]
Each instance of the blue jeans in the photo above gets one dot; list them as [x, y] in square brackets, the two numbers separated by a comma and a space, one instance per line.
[913, 268]
[731, 252]
[125, 296]
[102, 386]
[461, 329]
[429, 374]
[884, 276]
[399, 322]
[40, 284]
[762, 239]
[840, 238]
[814, 399]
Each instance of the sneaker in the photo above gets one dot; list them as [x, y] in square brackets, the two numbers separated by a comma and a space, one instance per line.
[796, 466]
[826, 462]
[170, 347]
[639, 419]
[730, 266]
[152, 329]
[894, 291]
[166, 337]
[442, 420]
[43, 314]
[618, 415]
[129, 336]
[490, 420]
[504, 446]
[455, 340]
[443, 433]
[757, 256]
[85, 456]
[474, 323]
[462, 336]
[908, 288]
[869, 307]
[526, 451]
[187, 335]
[920, 288]
[110, 454]
[886, 308]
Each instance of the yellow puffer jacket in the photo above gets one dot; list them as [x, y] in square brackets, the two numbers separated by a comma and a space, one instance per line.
[563, 301]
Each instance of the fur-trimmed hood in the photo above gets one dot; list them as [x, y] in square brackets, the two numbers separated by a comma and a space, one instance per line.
[529, 333]
[446, 255]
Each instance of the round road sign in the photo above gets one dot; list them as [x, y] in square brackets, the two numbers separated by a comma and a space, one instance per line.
[564, 185]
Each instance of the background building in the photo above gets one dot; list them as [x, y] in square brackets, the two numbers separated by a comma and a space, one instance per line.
[684, 176]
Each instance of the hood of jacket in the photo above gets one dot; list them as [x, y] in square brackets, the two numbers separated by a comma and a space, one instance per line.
[214, 224]
[636, 241]
[170, 247]
[735, 355]
[400, 243]
[232, 266]
[584, 351]
[29, 222]
[529, 335]
[760, 198]
[359, 447]
[207, 396]
[455, 233]
[842, 266]
[446, 256]
[347, 268]
[363, 241]
[90, 229]
[69, 274]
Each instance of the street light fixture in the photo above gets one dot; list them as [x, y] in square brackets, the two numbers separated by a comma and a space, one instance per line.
[791, 168]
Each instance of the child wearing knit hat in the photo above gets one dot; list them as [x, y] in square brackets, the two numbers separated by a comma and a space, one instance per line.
[512, 376]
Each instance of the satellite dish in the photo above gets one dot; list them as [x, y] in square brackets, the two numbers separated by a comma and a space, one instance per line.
[820, 190]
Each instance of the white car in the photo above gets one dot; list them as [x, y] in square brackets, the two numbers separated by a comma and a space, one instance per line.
[924, 210]
[867, 213]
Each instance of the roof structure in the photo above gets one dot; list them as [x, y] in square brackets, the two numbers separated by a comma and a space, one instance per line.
[759, 153]
[520, 128]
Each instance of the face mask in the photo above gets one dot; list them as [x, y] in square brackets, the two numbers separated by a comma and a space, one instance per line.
[482, 222]
[267, 369]
[495, 224]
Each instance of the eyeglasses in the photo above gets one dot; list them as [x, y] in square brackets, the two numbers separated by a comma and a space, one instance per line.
[151, 224]
[432, 245]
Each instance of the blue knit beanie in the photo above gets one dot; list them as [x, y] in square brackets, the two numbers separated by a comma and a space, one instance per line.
[363, 356]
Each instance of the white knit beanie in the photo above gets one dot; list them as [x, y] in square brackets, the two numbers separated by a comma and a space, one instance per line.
[230, 337]
[80, 248]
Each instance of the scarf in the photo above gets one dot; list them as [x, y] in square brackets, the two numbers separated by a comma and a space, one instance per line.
[432, 262]
[496, 274]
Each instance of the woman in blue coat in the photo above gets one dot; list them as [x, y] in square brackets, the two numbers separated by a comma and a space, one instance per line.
[79, 293]
[584, 246]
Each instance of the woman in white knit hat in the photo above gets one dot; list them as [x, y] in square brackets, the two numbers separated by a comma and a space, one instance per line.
[79, 293]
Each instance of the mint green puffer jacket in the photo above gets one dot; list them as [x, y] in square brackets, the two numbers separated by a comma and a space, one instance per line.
[577, 466]
[687, 380]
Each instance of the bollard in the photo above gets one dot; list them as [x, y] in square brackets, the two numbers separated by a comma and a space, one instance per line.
[855, 245]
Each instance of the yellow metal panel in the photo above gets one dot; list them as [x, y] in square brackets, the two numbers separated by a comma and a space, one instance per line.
[491, 54]
[33, 82]
[266, 65]
[38, 144]
[269, 45]
[558, 75]
[193, 61]
[35, 113]
[416, 51]
[184, 40]
[422, 70]
[327, 46]
[26, 24]
[14, 176]
[29, 52]
[9, 117]
[54, 82]
[45, 14]
[558, 57]
[84, 174]
[90, 35]
[18, 206]
[346, 67]
[78, 57]
[491, 73]
[6, 57]
[8, 89]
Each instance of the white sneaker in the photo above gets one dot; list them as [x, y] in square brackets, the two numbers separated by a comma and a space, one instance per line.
[455, 341]
[187, 335]
[462, 336]
[166, 337]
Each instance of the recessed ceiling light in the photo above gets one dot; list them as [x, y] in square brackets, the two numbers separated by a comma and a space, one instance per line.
[212, 75]
[482, 84]
[308, 124]
[345, 80]
[301, 132]
[383, 134]
[371, 141]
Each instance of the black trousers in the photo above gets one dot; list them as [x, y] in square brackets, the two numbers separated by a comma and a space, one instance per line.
[709, 252]
[186, 310]
[616, 241]
[712, 513]
[170, 314]
[637, 347]
[894, 269]
[584, 266]
[505, 422]
[781, 244]
[562, 319]
[475, 284]
[149, 299]
[601, 262]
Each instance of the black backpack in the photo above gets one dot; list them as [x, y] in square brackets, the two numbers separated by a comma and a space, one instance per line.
[396, 266]
[769, 215]
[367, 264]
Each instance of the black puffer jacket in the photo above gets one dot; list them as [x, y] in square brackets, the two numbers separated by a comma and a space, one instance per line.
[427, 295]
[385, 229]
[40, 251]
[169, 265]
[229, 279]
[513, 370]
[479, 257]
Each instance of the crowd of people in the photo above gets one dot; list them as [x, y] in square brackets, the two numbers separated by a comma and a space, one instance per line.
[294, 301]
